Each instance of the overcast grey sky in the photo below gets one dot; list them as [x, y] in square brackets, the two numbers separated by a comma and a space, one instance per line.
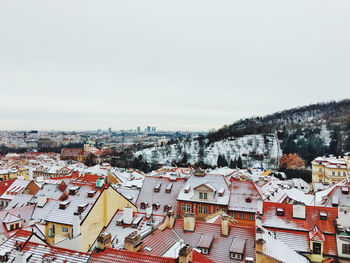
[189, 65]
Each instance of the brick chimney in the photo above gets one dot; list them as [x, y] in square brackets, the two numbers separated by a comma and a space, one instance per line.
[189, 222]
[133, 242]
[185, 254]
[224, 225]
[104, 240]
[168, 222]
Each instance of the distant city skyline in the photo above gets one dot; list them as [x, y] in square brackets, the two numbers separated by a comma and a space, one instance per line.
[194, 65]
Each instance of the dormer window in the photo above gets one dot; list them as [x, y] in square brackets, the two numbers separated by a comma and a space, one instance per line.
[203, 195]
[63, 205]
[280, 211]
[73, 190]
[205, 243]
[221, 191]
[187, 189]
[237, 248]
[345, 190]
[323, 215]
[168, 188]
[91, 194]
[157, 187]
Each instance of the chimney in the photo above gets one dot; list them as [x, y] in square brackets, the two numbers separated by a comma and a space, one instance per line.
[259, 241]
[168, 222]
[189, 222]
[30, 174]
[185, 254]
[127, 215]
[224, 225]
[133, 242]
[104, 240]
[76, 224]
[299, 211]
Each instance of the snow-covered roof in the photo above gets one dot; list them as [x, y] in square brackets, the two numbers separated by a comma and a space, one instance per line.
[215, 182]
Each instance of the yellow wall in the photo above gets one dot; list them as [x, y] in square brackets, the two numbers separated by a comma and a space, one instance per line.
[58, 231]
[104, 209]
[315, 257]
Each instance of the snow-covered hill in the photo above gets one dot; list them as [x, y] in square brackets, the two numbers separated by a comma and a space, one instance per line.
[255, 151]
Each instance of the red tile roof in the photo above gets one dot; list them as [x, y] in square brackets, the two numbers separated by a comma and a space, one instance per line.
[4, 185]
[110, 255]
[312, 213]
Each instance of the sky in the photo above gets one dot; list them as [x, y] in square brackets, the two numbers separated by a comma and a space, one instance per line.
[177, 65]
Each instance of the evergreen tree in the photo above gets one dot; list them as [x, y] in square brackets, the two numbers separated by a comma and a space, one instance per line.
[335, 146]
[239, 162]
[222, 162]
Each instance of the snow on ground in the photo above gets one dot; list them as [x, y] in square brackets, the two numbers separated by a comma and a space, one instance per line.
[255, 150]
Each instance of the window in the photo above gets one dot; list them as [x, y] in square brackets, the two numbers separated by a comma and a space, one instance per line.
[234, 215]
[235, 256]
[333, 173]
[320, 169]
[183, 207]
[12, 227]
[17, 226]
[200, 209]
[346, 249]
[64, 229]
[344, 173]
[251, 216]
[203, 195]
[205, 251]
[242, 215]
[316, 248]
[339, 174]
[205, 210]
[188, 208]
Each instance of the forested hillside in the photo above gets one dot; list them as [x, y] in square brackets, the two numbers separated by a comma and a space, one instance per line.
[310, 131]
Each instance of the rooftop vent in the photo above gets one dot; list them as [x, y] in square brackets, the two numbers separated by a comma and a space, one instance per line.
[73, 190]
[345, 190]
[82, 207]
[91, 194]
[157, 187]
[144, 205]
[156, 206]
[248, 199]
[64, 204]
[168, 188]
[167, 208]
[187, 188]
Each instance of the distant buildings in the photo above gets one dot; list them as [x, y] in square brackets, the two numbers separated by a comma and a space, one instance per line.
[330, 170]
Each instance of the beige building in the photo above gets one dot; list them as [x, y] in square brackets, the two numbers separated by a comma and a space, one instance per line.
[330, 170]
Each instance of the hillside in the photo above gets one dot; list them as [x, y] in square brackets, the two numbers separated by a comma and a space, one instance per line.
[309, 131]
[254, 150]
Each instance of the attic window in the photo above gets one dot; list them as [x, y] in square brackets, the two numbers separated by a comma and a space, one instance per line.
[323, 215]
[221, 191]
[82, 207]
[73, 190]
[144, 205]
[280, 211]
[156, 206]
[187, 188]
[168, 188]
[157, 187]
[237, 248]
[91, 194]
[64, 204]
[167, 208]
